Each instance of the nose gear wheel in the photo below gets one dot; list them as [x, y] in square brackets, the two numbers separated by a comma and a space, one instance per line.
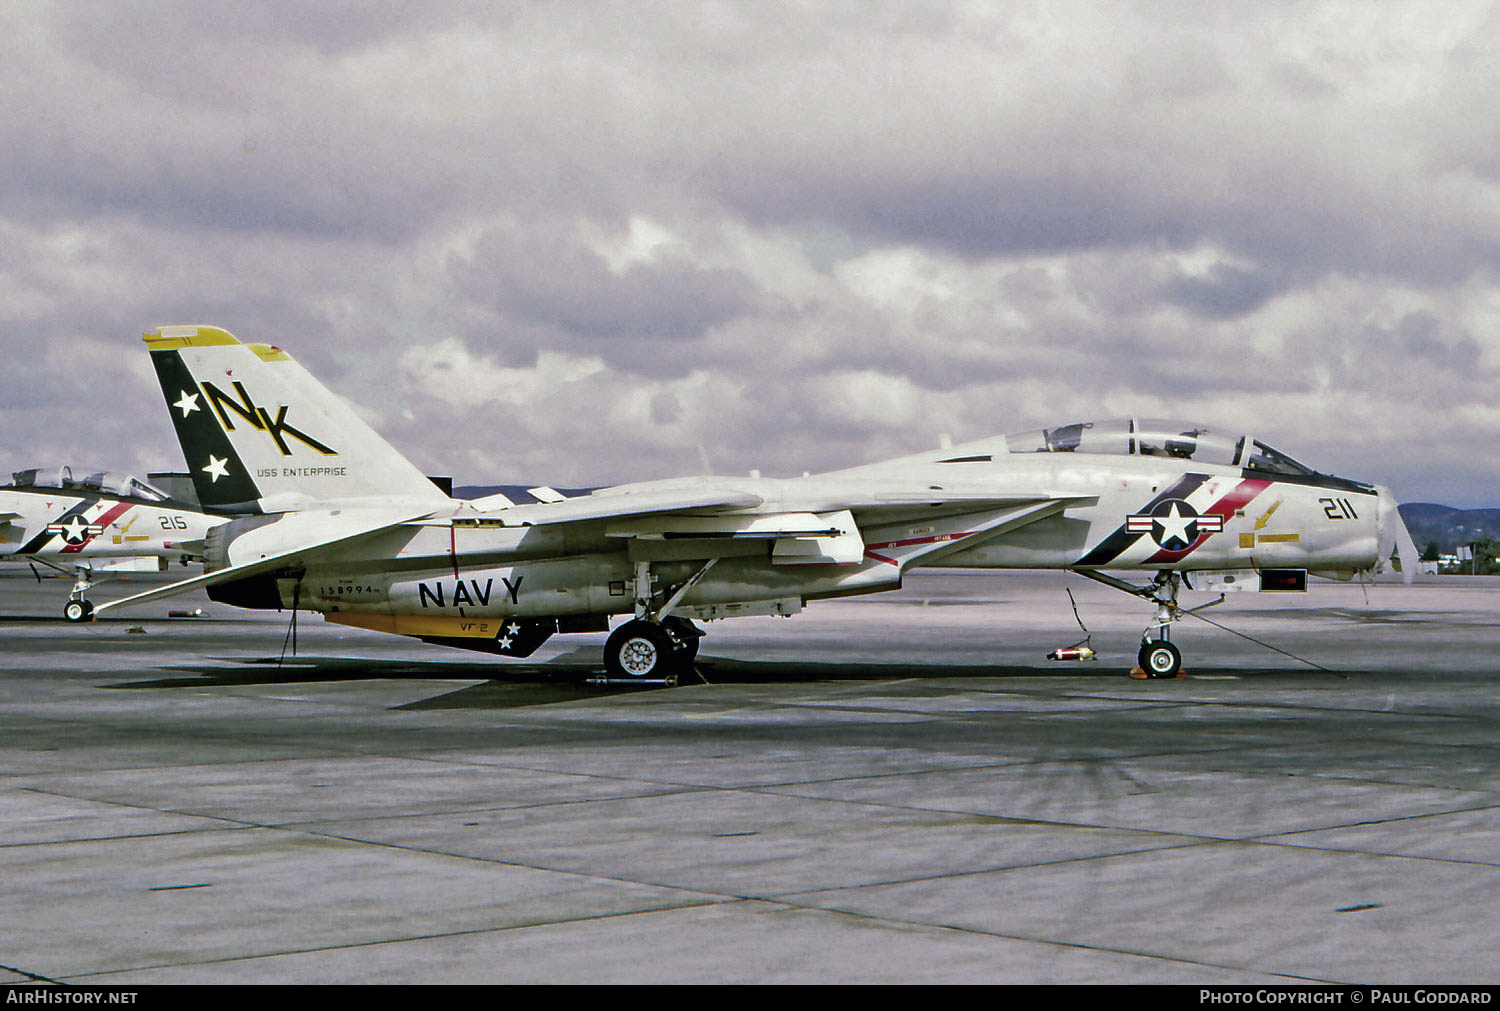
[1160, 659]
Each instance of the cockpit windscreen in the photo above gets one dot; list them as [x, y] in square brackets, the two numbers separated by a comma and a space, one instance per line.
[97, 483]
[1156, 437]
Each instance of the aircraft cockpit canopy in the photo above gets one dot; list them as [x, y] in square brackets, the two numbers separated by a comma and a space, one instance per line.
[1154, 437]
[97, 483]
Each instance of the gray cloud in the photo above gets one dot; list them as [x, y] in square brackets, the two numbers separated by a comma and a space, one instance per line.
[547, 276]
[778, 236]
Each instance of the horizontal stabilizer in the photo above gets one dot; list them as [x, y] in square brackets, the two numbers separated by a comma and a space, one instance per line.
[269, 563]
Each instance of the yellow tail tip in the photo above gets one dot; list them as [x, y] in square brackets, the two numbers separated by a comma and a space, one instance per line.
[171, 338]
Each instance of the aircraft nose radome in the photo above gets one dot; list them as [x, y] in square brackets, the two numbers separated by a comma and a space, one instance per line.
[1394, 537]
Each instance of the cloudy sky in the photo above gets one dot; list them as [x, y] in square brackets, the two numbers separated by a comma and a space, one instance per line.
[580, 243]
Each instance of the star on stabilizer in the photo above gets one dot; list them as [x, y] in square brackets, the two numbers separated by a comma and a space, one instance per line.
[216, 468]
[188, 404]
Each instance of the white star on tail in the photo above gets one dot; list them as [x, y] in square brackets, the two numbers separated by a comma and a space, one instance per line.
[216, 468]
[188, 404]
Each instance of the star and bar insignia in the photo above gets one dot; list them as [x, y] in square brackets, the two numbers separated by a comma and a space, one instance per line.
[1174, 524]
[75, 530]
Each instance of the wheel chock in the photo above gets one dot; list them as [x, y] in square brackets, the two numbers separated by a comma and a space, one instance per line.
[1141, 675]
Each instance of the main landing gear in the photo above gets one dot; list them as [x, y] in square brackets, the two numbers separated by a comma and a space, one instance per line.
[655, 645]
[645, 650]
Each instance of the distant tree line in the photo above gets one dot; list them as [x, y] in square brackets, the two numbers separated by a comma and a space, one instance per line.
[1486, 561]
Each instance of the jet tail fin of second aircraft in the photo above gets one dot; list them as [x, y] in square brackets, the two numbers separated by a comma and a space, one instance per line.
[260, 434]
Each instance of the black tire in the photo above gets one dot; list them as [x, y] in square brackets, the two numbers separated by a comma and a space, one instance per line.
[1160, 659]
[641, 651]
[78, 610]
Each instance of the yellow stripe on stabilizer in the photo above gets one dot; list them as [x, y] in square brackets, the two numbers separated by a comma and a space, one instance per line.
[419, 624]
[174, 338]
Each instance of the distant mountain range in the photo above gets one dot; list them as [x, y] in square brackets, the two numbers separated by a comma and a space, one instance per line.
[1447, 526]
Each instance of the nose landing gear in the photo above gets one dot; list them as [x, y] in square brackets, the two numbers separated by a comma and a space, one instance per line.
[78, 607]
[1158, 657]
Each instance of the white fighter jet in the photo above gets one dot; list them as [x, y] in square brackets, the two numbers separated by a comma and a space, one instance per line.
[345, 526]
[99, 522]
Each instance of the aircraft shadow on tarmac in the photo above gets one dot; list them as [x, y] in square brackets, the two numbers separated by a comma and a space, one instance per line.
[569, 677]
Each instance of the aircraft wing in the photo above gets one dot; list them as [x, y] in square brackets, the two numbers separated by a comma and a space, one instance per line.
[268, 563]
[896, 526]
[617, 505]
[908, 543]
[817, 524]
[637, 505]
[975, 497]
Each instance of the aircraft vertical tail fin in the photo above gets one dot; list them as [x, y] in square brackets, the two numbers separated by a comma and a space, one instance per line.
[260, 434]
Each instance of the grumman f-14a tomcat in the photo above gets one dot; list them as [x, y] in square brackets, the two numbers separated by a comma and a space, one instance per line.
[95, 522]
[344, 525]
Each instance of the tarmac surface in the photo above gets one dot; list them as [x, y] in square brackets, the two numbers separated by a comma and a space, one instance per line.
[889, 789]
